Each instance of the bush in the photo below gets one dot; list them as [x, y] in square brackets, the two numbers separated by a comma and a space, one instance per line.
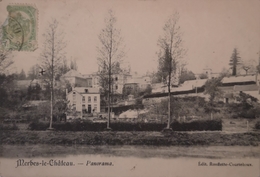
[199, 125]
[38, 126]
[8, 127]
[257, 125]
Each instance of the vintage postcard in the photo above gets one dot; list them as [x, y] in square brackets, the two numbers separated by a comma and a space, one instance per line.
[129, 88]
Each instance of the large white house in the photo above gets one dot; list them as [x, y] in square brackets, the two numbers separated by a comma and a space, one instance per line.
[84, 100]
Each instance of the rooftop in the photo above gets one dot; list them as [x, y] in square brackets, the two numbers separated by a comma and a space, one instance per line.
[73, 73]
[237, 79]
[86, 90]
[252, 87]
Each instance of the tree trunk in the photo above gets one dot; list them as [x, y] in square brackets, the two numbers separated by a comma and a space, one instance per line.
[169, 103]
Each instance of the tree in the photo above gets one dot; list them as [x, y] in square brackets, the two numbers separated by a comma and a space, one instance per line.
[73, 65]
[203, 76]
[33, 72]
[34, 92]
[248, 66]
[22, 75]
[51, 56]
[234, 62]
[170, 54]
[186, 75]
[213, 90]
[110, 54]
[224, 73]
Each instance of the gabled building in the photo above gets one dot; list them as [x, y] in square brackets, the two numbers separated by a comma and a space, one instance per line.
[84, 100]
[231, 86]
[76, 79]
[118, 79]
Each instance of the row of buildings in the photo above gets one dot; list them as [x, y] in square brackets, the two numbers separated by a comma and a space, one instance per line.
[230, 86]
[86, 96]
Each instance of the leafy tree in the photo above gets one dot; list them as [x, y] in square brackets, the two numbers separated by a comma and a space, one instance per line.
[73, 65]
[224, 73]
[203, 76]
[213, 90]
[34, 92]
[110, 54]
[234, 62]
[186, 75]
[11, 98]
[171, 52]
[33, 72]
[22, 75]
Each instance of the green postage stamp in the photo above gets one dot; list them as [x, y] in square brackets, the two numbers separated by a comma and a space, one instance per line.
[19, 31]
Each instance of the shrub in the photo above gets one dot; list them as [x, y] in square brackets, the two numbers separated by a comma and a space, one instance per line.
[257, 125]
[8, 127]
[129, 126]
[38, 126]
[199, 125]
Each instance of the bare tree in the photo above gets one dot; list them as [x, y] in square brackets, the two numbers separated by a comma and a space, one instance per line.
[248, 66]
[52, 56]
[110, 53]
[170, 54]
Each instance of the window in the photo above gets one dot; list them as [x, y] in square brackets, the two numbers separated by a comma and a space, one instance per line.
[83, 99]
[74, 106]
[95, 98]
[83, 107]
[116, 79]
[89, 98]
[116, 87]
[95, 107]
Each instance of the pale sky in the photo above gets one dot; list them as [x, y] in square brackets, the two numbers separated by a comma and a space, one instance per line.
[211, 30]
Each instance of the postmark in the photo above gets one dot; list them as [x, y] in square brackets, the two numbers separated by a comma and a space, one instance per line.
[19, 31]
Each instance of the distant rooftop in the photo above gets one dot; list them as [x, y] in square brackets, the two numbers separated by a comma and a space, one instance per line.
[86, 90]
[191, 84]
[237, 79]
[73, 73]
[252, 87]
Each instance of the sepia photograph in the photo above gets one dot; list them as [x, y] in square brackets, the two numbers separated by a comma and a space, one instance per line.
[129, 88]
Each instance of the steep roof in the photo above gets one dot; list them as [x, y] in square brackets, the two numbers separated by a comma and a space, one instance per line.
[191, 84]
[239, 79]
[73, 73]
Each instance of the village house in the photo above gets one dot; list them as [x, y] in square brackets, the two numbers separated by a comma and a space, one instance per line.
[76, 79]
[231, 86]
[83, 100]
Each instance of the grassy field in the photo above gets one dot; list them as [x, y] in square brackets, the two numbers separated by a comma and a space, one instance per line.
[32, 151]
[214, 138]
[238, 125]
[228, 125]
